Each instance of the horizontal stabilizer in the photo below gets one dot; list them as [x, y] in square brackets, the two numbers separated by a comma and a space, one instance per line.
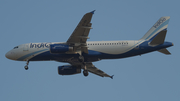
[159, 38]
[164, 51]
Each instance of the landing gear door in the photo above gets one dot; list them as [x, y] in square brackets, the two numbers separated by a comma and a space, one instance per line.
[26, 47]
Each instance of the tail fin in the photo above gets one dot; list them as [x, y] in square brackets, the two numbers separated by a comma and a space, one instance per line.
[159, 38]
[158, 28]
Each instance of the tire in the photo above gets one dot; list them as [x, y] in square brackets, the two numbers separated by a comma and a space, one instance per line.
[85, 72]
[26, 67]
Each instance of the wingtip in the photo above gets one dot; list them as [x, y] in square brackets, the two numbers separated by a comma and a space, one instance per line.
[93, 11]
[112, 76]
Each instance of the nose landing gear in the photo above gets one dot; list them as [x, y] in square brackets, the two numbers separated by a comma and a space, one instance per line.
[26, 67]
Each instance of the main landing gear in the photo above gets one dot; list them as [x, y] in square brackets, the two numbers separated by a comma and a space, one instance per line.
[81, 58]
[26, 67]
[85, 72]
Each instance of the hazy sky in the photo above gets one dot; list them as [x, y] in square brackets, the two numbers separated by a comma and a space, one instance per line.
[150, 77]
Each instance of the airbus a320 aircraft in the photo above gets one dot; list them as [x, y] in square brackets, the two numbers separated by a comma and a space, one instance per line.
[80, 54]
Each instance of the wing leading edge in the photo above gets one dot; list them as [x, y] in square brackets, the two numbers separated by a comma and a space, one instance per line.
[80, 35]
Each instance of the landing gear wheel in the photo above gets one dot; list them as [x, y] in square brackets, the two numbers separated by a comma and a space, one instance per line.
[85, 72]
[81, 58]
[26, 67]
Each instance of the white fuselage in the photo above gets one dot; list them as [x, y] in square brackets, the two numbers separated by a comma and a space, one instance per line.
[27, 51]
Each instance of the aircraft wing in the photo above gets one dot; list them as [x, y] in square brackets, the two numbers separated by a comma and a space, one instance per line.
[80, 35]
[91, 68]
[78, 40]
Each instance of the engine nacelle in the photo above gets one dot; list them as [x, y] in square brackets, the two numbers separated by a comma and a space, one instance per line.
[68, 70]
[60, 48]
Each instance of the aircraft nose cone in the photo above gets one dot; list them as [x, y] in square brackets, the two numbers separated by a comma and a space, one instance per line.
[10, 55]
[7, 55]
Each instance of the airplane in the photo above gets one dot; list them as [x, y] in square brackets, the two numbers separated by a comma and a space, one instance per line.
[80, 53]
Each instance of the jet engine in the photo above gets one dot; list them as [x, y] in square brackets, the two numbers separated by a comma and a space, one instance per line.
[60, 48]
[68, 70]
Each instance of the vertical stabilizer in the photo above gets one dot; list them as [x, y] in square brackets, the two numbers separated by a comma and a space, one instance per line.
[159, 38]
[159, 26]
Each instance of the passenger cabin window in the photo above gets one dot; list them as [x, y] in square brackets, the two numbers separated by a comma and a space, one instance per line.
[15, 47]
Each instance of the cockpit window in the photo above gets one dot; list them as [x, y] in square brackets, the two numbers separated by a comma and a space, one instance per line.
[15, 47]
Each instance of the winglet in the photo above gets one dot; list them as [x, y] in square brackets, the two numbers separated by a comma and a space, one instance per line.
[112, 76]
[93, 12]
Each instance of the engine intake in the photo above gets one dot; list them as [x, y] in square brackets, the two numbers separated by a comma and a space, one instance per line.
[68, 70]
[60, 48]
